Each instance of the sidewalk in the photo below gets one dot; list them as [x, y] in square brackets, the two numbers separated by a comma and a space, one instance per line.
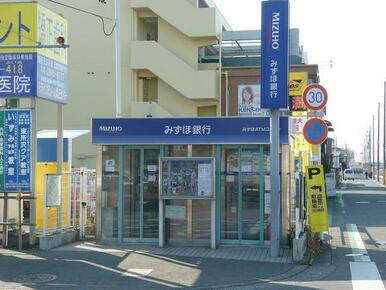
[90, 265]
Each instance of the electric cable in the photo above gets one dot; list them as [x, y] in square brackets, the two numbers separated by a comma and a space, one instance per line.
[102, 18]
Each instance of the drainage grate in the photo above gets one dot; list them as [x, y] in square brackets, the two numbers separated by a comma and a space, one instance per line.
[35, 278]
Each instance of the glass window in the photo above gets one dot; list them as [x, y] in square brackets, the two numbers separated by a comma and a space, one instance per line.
[150, 193]
[110, 185]
[176, 150]
[203, 151]
[131, 194]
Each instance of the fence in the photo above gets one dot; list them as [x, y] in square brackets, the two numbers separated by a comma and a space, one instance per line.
[84, 201]
[54, 204]
[68, 202]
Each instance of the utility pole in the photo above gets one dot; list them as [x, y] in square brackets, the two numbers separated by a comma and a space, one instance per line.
[384, 131]
[373, 163]
[379, 112]
[118, 63]
[370, 150]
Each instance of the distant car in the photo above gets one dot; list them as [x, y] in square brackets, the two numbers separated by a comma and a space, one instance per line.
[348, 174]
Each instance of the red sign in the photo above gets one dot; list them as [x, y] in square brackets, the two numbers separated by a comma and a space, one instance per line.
[297, 104]
[315, 131]
[315, 97]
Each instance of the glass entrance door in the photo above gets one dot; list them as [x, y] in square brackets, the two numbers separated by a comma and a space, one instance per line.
[140, 194]
[241, 195]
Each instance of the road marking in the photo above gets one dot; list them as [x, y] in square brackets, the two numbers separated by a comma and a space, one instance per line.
[122, 273]
[357, 245]
[365, 276]
[364, 273]
[362, 202]
[136, 273]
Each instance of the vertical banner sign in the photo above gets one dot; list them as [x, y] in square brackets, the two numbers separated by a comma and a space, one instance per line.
[274, 54]
[317, 202]
[15, 150]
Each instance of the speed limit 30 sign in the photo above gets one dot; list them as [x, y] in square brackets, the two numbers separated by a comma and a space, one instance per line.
[315, 97]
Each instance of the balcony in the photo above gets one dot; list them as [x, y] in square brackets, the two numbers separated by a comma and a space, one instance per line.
[193, 84]
[192, 21]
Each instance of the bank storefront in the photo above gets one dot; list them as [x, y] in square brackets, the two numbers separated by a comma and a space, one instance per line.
[184, 181]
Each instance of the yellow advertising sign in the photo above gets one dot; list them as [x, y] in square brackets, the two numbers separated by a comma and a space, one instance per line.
[301, 144]
[50, 27]
[315, 150]
[31, 24]
[18, 26]
[317, 202]
[297, 83]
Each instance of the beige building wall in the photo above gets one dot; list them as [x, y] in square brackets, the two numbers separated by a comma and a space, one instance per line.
[163, 54]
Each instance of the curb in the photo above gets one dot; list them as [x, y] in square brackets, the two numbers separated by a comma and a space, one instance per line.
[296, 270]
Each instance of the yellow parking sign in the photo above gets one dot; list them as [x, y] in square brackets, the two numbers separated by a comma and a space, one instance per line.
[317, 201]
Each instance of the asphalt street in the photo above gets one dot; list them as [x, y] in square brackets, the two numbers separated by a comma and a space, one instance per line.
[356, 259]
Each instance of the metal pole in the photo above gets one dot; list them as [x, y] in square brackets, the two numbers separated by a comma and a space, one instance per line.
[118, 68]
[59, 144]
[384, 131]
[379, 109]
[275, 184]
[219, 76]
[20, 222]
[32, 202]
[373, 164]
[5, 219]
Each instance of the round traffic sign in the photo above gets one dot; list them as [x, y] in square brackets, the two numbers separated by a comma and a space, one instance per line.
[315, 131]
[315, 97]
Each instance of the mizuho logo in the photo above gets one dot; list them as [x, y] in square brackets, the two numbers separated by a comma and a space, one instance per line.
[110, 129]
[275, 30]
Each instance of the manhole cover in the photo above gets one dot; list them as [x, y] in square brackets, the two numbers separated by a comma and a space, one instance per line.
[35, 278]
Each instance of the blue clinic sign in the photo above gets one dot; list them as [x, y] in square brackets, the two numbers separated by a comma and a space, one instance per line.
[32, 75]
[15, 150]
[274, 54]
[232, 130]
[18, 75]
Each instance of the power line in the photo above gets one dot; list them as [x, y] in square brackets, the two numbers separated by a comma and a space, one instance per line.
[101, 17]
[17, 33]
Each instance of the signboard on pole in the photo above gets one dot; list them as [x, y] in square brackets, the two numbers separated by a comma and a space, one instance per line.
[317, 202]
[30, 71]
[15, 150]
[315, 131]
[274, 54]
[315, 97]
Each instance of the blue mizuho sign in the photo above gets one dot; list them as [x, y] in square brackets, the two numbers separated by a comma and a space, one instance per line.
[274, 54]
[232, 130]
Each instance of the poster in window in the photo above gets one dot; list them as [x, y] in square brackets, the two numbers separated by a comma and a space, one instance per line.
[187, 178]
[249, 100]
[204, 180]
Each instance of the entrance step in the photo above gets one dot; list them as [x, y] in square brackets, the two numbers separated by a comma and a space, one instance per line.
[243, 253]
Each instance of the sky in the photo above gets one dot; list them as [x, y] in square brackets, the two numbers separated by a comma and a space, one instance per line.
[351, 33]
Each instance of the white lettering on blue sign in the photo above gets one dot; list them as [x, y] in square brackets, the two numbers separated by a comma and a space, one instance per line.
[275, 30]
[255, 129]
[188, 130]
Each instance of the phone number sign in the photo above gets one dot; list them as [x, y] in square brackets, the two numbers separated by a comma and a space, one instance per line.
[15, 150]
[33, 75]
[18, 75]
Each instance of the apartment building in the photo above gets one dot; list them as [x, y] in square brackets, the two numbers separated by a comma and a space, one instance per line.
[160, 44]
